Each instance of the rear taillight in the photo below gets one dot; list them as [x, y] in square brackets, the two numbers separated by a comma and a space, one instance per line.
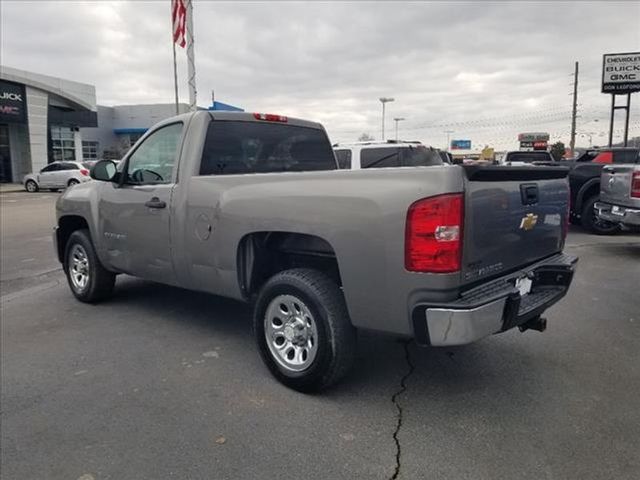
[269, 117]
[433, 236]
[84, 171]
[635, 185]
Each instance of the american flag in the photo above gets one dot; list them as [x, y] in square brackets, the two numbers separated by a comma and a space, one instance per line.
[179, 16]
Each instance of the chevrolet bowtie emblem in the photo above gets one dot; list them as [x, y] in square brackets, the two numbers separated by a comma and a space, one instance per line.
[528, 221]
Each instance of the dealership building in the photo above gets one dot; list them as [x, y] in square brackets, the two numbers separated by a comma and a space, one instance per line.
[45, 119]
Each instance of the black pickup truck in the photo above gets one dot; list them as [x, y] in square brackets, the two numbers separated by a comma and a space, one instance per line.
[584, 182]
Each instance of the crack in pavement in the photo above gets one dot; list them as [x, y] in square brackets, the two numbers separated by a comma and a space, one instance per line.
[394, 399]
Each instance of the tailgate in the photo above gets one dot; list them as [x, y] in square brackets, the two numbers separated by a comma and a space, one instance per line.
[615, 185]
[514, 216]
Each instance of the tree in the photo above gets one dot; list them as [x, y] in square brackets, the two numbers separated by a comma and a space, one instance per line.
[557, 151]
[365, 137]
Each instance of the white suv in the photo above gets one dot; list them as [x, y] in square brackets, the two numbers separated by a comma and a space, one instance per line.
[377, 154]
[57, 175]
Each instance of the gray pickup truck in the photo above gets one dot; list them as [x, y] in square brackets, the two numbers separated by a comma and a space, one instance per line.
[620, 195]
[252, 207]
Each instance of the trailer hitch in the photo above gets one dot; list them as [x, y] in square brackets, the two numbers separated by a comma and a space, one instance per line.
[537, 323]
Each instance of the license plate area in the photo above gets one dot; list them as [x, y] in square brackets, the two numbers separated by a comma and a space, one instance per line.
[523, 284]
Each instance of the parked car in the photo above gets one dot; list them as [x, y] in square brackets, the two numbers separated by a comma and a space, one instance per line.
[584, 182]
[377, 154]
[620, 195]
[57, 175]
[520, 157]
[253, 207]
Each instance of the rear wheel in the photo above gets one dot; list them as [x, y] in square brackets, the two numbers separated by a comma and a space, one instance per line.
[303, 330]
[593, 223]
[31, 186]
[88, 279]
[72, 182]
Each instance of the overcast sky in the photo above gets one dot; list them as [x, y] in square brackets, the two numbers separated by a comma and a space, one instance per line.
[485, 71]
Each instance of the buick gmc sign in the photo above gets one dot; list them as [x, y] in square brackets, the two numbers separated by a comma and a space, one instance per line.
[13, 105]
[621, 73]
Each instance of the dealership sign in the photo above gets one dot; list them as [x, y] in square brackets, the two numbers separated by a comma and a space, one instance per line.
[533, 137]
[13, 105]
[621, 73]
[460, 144]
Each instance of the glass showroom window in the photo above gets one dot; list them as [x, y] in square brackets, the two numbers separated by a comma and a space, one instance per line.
[64, 147]
[89, 150]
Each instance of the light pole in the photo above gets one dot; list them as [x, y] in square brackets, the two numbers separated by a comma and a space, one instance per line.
[448, 132]
[398, 119]
[384, 100]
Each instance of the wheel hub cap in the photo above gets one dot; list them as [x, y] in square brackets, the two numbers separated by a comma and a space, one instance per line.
[78, 267]
[291, 333]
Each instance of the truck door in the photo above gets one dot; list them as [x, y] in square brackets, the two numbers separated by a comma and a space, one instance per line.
[135, 215]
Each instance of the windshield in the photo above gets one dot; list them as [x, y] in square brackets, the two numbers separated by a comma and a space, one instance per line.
[233, 147]
[528, 157]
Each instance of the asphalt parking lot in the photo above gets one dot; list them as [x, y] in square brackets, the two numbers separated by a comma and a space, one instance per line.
[160, 383]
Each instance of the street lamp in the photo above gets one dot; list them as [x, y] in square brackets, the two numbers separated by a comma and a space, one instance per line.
[448, 132]
[384, 100]
[398, 119]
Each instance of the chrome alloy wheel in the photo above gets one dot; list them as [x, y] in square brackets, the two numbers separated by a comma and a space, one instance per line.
[79, 267]
[291, 333]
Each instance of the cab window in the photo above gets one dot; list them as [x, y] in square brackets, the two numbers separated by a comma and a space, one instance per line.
[344, 158]
[54, 167]
[153, 161]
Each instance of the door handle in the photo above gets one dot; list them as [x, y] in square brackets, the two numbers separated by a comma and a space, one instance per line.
[155, 202]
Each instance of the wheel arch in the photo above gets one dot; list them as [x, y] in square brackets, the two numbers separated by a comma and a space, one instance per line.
[261, 255]
[68, 224]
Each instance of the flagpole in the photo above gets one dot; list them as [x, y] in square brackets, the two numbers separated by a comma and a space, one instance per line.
[191, 66]
[175, 75]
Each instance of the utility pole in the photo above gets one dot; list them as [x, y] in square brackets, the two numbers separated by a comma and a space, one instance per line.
[398, 119]
[384, 100]
[572, 143]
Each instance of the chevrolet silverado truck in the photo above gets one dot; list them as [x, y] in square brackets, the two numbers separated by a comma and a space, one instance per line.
[253, 207]
[620, 195]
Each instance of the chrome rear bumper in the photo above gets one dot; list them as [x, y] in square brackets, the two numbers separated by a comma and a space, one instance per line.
[495, 306]
[626, 215]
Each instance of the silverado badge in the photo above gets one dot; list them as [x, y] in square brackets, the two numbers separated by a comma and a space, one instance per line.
[528, 221]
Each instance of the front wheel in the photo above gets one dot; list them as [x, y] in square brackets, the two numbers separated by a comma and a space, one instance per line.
[31, 186]
[595, 224]
[303, 330]
[89, 281]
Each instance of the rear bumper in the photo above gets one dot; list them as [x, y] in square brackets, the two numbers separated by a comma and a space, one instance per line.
[626, 215]
[495, 306]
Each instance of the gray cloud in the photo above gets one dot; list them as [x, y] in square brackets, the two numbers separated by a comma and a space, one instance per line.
[448, 64]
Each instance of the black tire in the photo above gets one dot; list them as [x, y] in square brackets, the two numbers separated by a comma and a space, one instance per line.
[72, 182]
[100, 282]
[592, 223]
[31, 186]
[336, 337]
[53, 189]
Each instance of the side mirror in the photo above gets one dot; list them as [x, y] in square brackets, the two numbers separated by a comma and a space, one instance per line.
[104, 170]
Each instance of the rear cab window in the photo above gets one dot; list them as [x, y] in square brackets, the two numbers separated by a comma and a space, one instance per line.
[401, 156]
[529, 157]
[238, 147]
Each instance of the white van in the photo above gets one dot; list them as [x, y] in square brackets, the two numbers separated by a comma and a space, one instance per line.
[391, 153]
